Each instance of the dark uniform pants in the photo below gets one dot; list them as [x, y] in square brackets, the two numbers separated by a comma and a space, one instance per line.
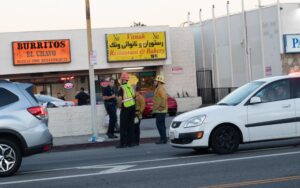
[161, 125]
[127, 126]
[137, 132]
[112, 112]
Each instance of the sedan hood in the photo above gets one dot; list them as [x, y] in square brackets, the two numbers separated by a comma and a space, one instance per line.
[201, 111]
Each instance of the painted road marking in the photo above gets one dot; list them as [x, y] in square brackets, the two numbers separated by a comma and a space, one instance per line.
[152, 168]
[121, 163]
[152, 160]
[255, 182]
[111, 169]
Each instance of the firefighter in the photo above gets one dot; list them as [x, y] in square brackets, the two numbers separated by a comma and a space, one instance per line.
[160, 108]
[126, 102]
[140, 106]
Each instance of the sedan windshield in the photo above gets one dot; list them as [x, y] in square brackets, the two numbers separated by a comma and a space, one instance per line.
[238, 95]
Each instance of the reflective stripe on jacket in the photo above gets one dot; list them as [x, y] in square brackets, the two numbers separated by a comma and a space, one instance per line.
[128, 96]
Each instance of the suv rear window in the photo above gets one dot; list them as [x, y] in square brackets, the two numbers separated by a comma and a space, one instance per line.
[7, 97]
[29, 91]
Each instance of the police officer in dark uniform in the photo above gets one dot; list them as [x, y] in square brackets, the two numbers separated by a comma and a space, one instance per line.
[110, 103]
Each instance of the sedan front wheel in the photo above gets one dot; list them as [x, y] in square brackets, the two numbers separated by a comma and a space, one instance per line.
[225, 140]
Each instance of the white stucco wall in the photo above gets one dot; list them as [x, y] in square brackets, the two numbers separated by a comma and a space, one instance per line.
[74, 121]
[290, 18]
[271, 39]
[183, 55]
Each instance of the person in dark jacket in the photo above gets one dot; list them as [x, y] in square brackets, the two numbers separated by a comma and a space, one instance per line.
[82, 97]
[110, 104]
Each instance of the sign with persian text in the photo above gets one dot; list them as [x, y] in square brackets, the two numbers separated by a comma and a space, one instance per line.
[136, 46]
[41, 52]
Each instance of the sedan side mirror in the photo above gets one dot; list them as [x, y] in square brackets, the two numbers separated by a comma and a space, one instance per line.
[255, 100]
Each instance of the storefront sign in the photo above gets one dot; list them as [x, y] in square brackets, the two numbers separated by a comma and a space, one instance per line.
[68, 85]
[292, 43]
[177, 69]
[41, 52]
[136, 46]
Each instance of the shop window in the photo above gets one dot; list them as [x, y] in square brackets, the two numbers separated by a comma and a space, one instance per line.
[146, 80]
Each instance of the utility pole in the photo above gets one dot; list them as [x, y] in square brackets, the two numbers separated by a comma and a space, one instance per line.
[94, 137]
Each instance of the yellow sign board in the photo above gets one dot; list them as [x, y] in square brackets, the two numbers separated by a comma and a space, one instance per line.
[136, 46]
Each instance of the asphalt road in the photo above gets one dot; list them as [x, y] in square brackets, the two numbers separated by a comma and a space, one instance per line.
[272, 164]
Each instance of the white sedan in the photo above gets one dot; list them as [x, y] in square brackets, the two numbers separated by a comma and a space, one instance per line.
[265, 109]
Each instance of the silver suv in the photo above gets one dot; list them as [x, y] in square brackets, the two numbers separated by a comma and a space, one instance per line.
[23, 126]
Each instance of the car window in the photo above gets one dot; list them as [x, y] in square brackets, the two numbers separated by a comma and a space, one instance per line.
[297, 87]
[7, 97]
[29, 91]
[238, 95]
[276, 91]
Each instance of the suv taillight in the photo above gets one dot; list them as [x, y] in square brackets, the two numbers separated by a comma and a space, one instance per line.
[39, 112]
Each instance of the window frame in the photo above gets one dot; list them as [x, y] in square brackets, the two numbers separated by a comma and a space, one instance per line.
[267, 85]
[16, 97]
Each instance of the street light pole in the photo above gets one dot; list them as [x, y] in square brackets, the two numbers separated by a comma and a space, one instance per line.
[94, 137]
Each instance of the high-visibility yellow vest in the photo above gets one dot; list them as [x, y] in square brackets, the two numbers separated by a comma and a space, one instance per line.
[128, 96]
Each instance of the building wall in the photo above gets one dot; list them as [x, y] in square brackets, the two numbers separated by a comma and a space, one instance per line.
[290, 21]
[183, 55]
[79, 56]
[242, 71]
[78, 51]
[290, 18]
[180, 52]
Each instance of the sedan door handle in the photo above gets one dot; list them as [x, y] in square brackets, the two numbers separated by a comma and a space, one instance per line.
[286, 106]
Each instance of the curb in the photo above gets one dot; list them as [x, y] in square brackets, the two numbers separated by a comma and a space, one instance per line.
[104, 144]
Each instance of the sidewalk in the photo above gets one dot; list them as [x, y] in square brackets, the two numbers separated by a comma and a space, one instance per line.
[81, 142]
[149, 134]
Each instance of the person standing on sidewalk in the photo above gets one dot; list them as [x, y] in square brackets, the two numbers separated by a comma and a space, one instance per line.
[82, 97]
[160, 108]
[140, 106]
[127, 104]
[110, 104]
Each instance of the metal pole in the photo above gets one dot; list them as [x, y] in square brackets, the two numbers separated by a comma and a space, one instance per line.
[202, 45]
[230, 44]
[94, 138]
[215, 45]
[250, 64]
[245, 41]
[213, 67]
[279, 30]
[261, 37]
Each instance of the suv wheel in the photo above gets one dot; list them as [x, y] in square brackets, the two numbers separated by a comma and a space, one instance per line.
[10, 157]
[225, 140]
